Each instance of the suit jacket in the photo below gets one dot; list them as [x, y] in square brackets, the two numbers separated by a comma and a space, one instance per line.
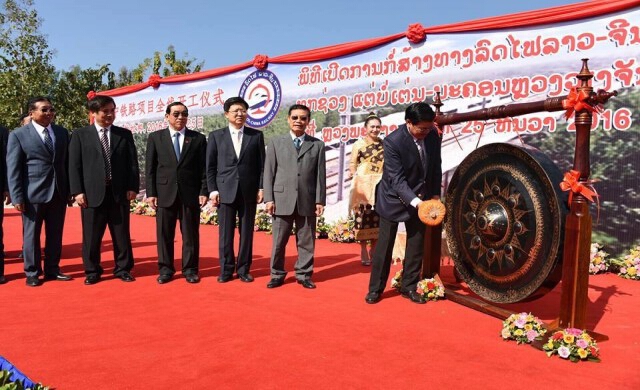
[33, 174]
[403, 176]
[227, 172]
[167, 178]
[86, 165]
[4, 136]
[295, 178]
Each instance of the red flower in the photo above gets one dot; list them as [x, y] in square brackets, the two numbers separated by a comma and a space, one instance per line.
[154, 81]
[91, 95]
[557, 336]
[431, 285]
[415, 33]
[261, 61]
[593, 351]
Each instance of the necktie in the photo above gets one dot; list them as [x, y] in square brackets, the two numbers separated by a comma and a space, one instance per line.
[238, 143]
[423, 157]
[48, 142]
[297, 142]
[176, 145]
[106, 153]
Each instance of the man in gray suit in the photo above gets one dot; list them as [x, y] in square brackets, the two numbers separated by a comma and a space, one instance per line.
[294, 191]
[39, 188]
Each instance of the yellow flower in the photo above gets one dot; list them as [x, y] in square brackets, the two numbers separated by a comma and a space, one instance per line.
[632, 271]
[568, 338]
[528, 327]
[582, 353]
[518, 332]
[585, 336]
[549, 345]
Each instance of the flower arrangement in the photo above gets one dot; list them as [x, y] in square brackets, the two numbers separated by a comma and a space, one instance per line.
[572, 344]
[523, 328]
[263, 222]
[430, 289]
[322, 228]
[342, 231]
[629, 265]
[209, 215]
[599, 262]
[139, 207]
[396, 282]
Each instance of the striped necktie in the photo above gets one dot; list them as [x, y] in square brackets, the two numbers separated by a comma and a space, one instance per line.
[48, 142]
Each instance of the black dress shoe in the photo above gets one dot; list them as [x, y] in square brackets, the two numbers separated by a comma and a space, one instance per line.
[192, 278]
[373, 297]
[225, 278]
[91, 279]
[125, 277]
[59, 276]
[247, 278]
[3, 280]
[33, 281]
[307, 283]
[414, 297]
[273, 283]
[162, 279]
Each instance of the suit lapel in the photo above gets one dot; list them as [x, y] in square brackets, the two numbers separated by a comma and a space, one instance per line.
[38, 139]
[307, 144]
[186, 145]
[410, 144]
[115, 139]
[246, 139]
[165, 139]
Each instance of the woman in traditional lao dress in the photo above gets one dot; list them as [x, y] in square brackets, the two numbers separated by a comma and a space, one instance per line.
[365, 169]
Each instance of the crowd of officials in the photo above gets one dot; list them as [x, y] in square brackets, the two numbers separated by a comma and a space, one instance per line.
[44, 168]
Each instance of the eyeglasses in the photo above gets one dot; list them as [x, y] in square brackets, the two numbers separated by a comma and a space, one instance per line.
[237, 112]
[302, 118]
[177, 114]
[45, 110]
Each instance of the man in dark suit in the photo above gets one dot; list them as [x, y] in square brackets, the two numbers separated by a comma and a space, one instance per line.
[235, 163]
[104, 178]
[177, 187]
[412, 173]
[39, 188]
[4, 135]
[294, 191]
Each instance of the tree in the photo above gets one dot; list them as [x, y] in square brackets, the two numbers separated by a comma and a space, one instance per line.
[25, 59]
[70, 94]
[169, 67]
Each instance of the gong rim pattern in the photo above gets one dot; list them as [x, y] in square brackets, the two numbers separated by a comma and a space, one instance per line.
[505, 223]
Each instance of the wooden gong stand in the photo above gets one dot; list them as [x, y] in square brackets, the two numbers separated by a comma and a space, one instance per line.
[577, 236]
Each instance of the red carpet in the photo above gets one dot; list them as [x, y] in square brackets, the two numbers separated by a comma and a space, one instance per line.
[117, 335]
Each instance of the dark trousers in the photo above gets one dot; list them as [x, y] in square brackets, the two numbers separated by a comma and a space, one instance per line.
[305, 242]
[94, 223]
[384, 249]
[245, 209]
[1, 241]
[166, 220]
[52, 215]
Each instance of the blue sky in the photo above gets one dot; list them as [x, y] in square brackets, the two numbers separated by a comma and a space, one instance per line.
[222, 33]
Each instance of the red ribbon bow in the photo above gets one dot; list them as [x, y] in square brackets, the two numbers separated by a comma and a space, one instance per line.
[415, 33]
[260, 61]
[576, 101]
[154, 81]
[571, 182]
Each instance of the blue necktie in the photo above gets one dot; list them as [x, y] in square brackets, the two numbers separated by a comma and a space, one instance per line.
[176, 145]
[48, 142]
[297, 142]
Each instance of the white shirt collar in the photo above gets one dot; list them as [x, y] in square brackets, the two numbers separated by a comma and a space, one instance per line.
[233, 129]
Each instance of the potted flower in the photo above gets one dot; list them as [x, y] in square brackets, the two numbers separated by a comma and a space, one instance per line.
[524, 328]
[572, 344]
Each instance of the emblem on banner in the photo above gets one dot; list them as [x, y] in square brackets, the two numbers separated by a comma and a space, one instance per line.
[261, 89]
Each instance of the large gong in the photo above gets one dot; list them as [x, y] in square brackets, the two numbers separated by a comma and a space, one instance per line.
[505, 223]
